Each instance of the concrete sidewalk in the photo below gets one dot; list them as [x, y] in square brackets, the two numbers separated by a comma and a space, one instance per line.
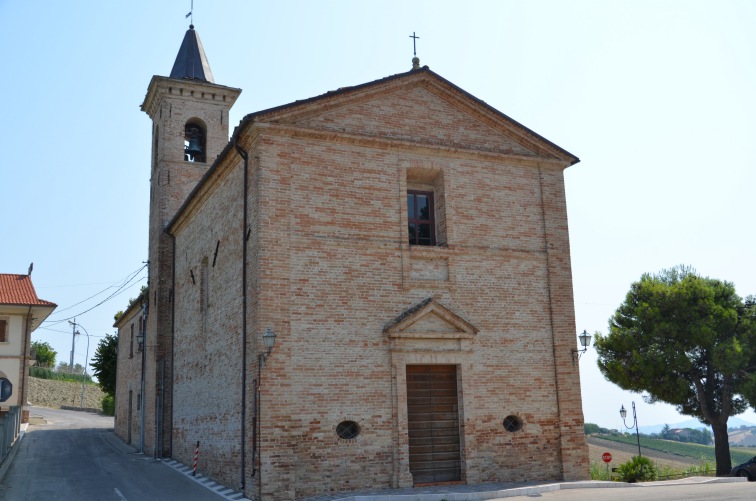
[482, 492]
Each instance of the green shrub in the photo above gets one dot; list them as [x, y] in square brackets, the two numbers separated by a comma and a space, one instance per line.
[599, 471]
[638, 469]
[108, 405]
[665, 471]
[705, 468]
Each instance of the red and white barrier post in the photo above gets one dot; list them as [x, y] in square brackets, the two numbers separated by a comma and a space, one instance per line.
[196, 457]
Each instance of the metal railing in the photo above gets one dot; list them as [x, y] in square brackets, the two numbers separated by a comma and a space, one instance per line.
[10, 427]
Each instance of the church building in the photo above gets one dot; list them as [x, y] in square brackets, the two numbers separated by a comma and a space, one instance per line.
[366, 289]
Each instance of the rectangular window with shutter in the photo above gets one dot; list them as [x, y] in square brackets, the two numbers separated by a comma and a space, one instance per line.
[420, 218]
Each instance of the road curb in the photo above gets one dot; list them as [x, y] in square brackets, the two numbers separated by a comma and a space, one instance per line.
[217, 488]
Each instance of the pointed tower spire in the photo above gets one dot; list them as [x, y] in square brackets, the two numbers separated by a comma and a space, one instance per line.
[191, 62]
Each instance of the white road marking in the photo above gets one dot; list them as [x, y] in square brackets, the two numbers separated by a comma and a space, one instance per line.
[118, 493]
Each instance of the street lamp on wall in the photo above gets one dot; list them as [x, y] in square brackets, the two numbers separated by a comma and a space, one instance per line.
[623, 414]
[142, 326]
[269, 340]
[585, 342]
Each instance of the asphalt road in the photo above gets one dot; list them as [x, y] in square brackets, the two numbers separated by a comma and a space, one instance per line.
[76, 456]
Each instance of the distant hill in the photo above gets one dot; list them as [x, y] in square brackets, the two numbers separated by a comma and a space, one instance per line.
[745, 437]
[733, 422]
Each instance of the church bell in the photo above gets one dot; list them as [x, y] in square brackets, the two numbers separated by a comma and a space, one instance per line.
[194, 149]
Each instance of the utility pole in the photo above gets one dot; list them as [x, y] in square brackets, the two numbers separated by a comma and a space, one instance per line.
[73, 343]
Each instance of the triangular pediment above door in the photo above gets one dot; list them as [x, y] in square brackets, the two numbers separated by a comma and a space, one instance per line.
[430, 319]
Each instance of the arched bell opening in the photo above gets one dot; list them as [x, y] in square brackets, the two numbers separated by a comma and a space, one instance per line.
[194, 142]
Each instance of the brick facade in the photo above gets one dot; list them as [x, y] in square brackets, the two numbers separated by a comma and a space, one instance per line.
[328, 267]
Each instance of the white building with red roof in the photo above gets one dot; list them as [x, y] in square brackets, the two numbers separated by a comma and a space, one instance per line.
[21, 312]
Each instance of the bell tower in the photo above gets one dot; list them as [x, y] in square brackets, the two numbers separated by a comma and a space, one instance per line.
[189, 113]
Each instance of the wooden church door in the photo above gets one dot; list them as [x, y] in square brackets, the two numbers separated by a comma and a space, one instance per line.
[433, 417]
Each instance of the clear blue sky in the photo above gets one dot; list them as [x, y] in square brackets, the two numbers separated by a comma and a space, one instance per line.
[656, 98]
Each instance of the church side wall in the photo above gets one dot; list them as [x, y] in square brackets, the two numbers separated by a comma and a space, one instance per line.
[128, 380]
[207, 344]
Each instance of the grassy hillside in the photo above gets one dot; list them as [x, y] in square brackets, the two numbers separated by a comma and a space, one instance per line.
[54, 394]
[622, 453]
[745, 437]
[694, 451]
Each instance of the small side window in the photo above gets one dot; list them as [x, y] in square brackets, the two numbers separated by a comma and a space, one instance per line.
[348, 430]
[512, 424]
[204, 286]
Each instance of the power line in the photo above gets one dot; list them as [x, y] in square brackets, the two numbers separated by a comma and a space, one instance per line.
[123, 287]
[117, 293]
[65, 332]
[124, 280]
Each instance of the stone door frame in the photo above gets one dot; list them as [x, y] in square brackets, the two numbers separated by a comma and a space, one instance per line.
[429, 334]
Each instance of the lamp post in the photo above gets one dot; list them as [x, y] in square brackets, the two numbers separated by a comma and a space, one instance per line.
[73, 343]
[269, 340]
[623, 413]
[86, 363]
[86, 360]
[585, 342]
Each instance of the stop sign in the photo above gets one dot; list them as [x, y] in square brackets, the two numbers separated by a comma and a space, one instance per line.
[606, 457]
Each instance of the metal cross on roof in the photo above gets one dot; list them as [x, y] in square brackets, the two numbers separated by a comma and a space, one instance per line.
[414, 43]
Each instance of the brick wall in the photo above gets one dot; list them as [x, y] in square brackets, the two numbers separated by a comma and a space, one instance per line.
[128, 378]
[208, 348]
[329, 268]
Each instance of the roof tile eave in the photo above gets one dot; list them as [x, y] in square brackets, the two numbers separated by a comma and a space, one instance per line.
[18, 290]
[39, 303]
